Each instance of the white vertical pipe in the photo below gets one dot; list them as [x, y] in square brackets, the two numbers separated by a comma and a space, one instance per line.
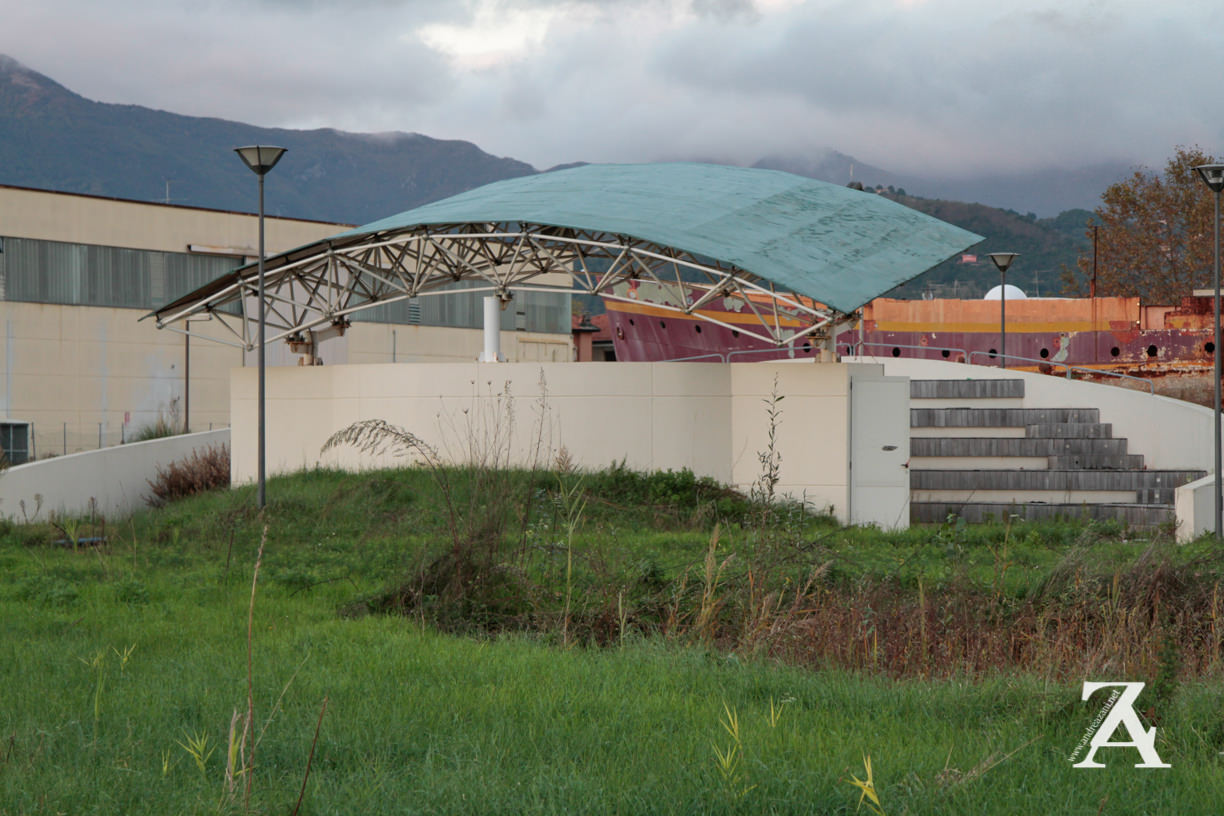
[492, 330]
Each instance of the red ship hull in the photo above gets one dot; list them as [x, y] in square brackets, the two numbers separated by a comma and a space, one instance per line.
[1169, 345]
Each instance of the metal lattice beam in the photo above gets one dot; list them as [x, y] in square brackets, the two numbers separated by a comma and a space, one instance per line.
[331, 281]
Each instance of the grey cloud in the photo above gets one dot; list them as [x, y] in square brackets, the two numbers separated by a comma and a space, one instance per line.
[941, 86]
[726, 9]
[279, 68]
[898, 82]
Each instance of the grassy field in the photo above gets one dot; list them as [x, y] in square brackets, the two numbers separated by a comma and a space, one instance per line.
[632, 645]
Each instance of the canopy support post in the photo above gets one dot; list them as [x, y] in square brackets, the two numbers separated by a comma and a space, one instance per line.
[492, 331]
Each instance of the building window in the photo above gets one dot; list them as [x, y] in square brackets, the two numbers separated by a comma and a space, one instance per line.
[15, 442]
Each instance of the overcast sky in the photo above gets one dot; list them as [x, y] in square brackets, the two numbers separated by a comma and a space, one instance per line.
[925, 86]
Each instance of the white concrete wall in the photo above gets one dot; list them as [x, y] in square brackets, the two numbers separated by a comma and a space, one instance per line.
[1170, 433]
[116, 479]
[813, 431]
[710, 418]
[1195, 508]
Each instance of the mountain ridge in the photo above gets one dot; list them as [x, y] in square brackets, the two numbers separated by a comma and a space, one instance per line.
[53, 138]
[1045, 192]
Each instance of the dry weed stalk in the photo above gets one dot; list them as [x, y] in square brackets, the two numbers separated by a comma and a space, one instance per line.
[248, 730]
[310, 759]
[954, 776]
[711, 604]
[572, 500]
[770, 619]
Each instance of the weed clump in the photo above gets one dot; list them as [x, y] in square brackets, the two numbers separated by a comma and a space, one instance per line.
[200, 472]
[477, 580]
[165, 425]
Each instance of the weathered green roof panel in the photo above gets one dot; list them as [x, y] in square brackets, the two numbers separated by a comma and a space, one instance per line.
[837, 245]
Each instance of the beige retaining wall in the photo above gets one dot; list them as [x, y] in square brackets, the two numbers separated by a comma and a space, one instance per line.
[710, 418]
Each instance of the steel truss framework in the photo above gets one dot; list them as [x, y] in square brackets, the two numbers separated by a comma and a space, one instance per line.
[321, 285]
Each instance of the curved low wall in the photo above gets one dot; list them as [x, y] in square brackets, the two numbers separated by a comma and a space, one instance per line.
[115, 479]
[1171, 434]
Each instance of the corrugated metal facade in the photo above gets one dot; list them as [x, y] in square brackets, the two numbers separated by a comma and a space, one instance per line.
[87, 275]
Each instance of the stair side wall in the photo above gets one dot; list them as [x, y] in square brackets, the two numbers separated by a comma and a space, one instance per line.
[1170, 433]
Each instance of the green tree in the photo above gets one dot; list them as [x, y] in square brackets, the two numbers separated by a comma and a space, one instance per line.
[1155, 236]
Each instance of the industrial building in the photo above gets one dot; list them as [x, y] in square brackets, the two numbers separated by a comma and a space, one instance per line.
[881, 441]
[79, 369]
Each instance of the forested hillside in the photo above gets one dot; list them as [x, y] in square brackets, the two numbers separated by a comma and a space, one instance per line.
[1048, 247]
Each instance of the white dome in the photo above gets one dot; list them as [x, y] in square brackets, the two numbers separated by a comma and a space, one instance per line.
[1013, 293]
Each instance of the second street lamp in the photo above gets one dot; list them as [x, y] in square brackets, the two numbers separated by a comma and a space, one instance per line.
[1003, 260]
[1213, 176]
[261, 159]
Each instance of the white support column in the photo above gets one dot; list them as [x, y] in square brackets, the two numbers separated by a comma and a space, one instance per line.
[492, 331]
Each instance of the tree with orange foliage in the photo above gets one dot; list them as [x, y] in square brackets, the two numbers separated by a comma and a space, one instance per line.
[1155, 236]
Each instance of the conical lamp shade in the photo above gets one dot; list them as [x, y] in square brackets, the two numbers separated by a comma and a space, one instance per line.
[1003, 259]
[260, 158]
[1212, 175]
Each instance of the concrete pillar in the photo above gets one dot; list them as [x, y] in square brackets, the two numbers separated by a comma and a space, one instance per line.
[492, 331]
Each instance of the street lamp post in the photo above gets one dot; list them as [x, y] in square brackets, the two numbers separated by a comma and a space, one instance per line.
[1213, 176]
[261, 159]
[1003, 260]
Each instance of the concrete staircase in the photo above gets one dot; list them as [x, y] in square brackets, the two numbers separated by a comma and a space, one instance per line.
[976, 452]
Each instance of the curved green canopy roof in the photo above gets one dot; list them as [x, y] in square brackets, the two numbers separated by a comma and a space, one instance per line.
[751, 237]
[835, 244]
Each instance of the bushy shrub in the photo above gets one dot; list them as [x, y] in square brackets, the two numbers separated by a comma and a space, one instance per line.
[197, 473]
[681, 489]
[683, 492]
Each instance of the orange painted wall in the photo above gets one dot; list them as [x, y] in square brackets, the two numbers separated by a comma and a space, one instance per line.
[1034, 314]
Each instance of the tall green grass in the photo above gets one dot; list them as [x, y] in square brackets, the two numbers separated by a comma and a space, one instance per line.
[423, 722]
